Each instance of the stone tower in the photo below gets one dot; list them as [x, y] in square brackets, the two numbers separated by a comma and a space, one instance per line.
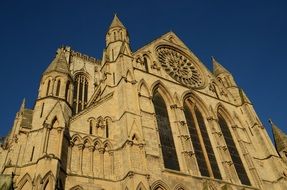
[155, 118]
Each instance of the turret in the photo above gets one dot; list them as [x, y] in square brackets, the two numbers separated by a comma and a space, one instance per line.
[117, 40]
[56, 86]
[227, 80]
[223, 75]
[56, 80]
[280, 140]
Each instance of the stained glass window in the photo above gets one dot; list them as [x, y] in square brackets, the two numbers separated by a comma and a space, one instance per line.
[80, 93]
[207, 143]
[197, 146]
[197, 128]
[233, 151]
[165, 133]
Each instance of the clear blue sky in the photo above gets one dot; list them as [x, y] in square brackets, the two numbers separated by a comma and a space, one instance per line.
[248, 37]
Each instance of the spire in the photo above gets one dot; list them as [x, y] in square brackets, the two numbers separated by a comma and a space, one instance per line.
[217, 68]
[116, 22]
[59, 64]
[280, 138]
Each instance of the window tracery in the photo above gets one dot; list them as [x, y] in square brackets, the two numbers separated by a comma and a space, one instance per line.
[80, 93]
[166, 138]
[201, 142]
[179, 67]
[233, 151]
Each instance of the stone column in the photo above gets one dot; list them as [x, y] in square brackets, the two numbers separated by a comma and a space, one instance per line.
[80, 149]
[47, 128]
[101, 164]
[70, 147]
[60, 132]
[91, 151]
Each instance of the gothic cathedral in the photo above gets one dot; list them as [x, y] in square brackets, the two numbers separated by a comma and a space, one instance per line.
[153, 119]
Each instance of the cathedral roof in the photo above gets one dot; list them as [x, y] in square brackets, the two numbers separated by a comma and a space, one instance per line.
[116, 22]
[218, 68]
[280, 138]
[59, 64]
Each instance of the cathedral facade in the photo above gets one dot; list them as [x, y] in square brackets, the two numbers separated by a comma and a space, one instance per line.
[153, 119]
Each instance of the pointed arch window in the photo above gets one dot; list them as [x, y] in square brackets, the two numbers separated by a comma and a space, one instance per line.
[67, 90]
[107, 129]
[233, 151]
[48, 87]
[145, 62]
[58, 88]
[203, 150]
[80, 93]
[91, 127]
[166, 139]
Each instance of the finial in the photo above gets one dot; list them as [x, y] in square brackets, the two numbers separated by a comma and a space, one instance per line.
[270, 121]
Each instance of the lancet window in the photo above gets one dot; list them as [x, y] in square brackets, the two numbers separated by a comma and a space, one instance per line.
[48, 88]
[145, 62]
[233, 151]
[58, 88]
[67, 90]
[201, 142]
[166, 139]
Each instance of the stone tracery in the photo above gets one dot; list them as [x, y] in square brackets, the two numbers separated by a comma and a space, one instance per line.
[179, 67]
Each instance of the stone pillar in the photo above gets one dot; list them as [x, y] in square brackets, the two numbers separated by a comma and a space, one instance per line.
[101, 164]
[91, 152]
[60, 132]
[69, 156]
[47, 128]
[80, 149]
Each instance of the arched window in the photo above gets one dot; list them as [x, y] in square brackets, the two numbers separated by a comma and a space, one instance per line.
[58, 88]
[122, 36]
[80, 93]
[233, 151]
[67, 90]
[54, 122]
[48, 88]
[146, 64]
[91, 127]
[201, 143]
[165, 133]
[107, 129]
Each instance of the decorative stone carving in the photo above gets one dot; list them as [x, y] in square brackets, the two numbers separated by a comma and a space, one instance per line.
[179, 67]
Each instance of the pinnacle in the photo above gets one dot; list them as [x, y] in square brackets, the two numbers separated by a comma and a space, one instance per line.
[23, 104]
[59, 63]
[218, 68]
[116, 22]
[280, 138]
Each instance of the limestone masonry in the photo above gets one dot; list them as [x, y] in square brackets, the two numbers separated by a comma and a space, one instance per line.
[155, 119]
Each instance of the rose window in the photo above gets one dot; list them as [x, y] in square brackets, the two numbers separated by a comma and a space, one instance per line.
[179, 67]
